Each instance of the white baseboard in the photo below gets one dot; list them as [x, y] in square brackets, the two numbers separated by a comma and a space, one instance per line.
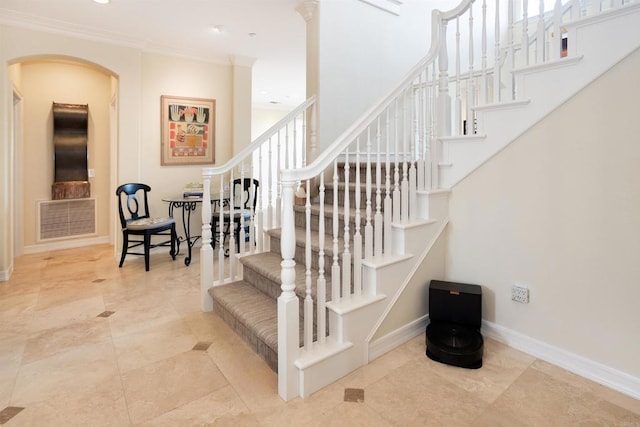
[602, 374]
[398, 337]
[65, 244]
[5, 275]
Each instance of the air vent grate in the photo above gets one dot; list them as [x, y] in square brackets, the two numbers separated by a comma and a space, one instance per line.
[66, 218]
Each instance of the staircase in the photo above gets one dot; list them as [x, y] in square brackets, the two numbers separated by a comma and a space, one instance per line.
[314, 289]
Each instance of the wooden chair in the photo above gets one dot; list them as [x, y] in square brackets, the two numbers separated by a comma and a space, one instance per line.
[135, 220]
[244, 197]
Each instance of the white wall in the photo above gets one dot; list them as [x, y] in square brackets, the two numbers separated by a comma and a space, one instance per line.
[164, 75]
[558, 211]
[362, 52]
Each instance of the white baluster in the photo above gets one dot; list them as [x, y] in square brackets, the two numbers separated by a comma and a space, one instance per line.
[421, 130]
[269, 216]
[378, 224]
[314, 133]
[457, 119]
[308, 300]
[485, 80]
[252, 219]
[525, 31]
[335, 267]
[396, 173]
[368, 228]
[206, 252]
[241, 232]
[556, 47]
[512, 52]
[497, 67]
[231, 250]
[321, 288]
[471, 88]
[413, 205]
[404, 190]
[278, 202]
[444, 101]
[540, 42]
[346, 254]
[357, 237]
[288, 305]
[387, 185]
[260, 247]
[221, 260]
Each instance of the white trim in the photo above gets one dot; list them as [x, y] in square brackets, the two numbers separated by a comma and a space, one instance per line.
[572, 362]
[391, 6]
[398, 337]
[5, 275]
[66, 244]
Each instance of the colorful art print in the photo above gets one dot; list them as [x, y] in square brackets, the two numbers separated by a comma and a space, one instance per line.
[188, 130]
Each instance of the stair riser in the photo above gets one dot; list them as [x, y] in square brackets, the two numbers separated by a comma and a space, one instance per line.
[300, 258]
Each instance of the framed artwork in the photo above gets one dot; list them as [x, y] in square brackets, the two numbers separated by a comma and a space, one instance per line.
[188, 130]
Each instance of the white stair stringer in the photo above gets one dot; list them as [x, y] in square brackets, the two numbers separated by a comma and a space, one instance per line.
[357, 318]
[544, 88]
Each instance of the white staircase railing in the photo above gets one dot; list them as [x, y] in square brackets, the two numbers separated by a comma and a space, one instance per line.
[401, 141]
[284, 145]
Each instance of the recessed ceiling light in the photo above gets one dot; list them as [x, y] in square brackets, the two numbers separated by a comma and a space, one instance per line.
[218, 28]
[101, 1]
[252, 34]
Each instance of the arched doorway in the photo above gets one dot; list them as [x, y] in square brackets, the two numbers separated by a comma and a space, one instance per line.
[42, 81]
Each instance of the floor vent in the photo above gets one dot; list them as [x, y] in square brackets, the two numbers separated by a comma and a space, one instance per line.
[66, 218]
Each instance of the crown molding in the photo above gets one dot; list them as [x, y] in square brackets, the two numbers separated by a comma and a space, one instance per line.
[391, 6]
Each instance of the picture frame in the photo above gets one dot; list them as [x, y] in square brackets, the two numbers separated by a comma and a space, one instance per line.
[188, 130]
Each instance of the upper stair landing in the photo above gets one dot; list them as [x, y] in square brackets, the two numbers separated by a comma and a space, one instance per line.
[595, 44]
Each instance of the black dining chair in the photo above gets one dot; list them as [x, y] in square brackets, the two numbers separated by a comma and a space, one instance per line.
[133, 207]
[245, 196]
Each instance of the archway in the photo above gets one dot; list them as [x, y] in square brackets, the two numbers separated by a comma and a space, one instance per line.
[42, 80]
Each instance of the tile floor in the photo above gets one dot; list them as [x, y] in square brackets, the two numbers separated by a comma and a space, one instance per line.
[84, 343]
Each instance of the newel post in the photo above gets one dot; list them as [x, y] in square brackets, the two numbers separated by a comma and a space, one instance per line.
[206, 252]
[288, 309]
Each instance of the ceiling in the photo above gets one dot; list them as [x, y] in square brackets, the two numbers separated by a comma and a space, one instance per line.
[268, 32]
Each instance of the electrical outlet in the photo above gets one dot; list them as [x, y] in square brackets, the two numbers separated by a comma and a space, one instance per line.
[520, 294]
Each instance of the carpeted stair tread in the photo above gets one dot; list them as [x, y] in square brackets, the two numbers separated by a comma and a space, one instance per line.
[267, 264]
[255, 310]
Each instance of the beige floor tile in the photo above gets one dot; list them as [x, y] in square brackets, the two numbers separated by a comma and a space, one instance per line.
[102, 406]
[536, 398]
[140, 314]
[152, 344]
[74, 371]
[65, 314]
[414, 395]
[64, 291]
[251, 377]
[381, 366]
[601, 391]
[46, 343]
[352, 414]
[222, 407]
[303, 412]
[502, 365]
[168, 384]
